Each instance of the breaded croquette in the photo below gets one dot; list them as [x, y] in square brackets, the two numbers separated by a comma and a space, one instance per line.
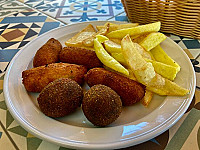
[80, 56]
[48, 53]
[60, 97]
[37, 78]
[101, 105]
[129, 90]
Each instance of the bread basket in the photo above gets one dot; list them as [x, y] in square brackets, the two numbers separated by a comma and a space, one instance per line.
[180, 17]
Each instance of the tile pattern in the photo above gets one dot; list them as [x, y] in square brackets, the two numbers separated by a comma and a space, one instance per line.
[18, 29]
[10, 7]
[72, 11]
[35, 3]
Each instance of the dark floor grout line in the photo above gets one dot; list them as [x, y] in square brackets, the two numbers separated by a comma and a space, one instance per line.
[196, 58]
[115, 15]
[8, 135]
[43, 13]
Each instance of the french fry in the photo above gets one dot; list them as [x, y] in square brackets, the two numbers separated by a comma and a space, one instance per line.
[77, 40]
[118, 41]
[108, 60]
[144, 71]
[147, 98]
[152, 40]
[141, 29]
[164, 70]
[89, 42]
[119, 57]
[114, 27]
[112, 47]
[139, 38]
[160, 55]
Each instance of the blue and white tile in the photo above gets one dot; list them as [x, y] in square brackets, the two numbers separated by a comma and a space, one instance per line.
[10, 7]
[20, 28]
[119, 17]
[72, 11]
[35, 3]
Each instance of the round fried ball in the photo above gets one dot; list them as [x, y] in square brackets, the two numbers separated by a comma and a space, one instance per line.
[101, 105]
[60, 97]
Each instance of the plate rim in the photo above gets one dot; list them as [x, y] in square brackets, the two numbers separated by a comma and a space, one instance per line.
[170, 122]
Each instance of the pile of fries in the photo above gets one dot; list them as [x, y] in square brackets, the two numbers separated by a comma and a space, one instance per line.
[134, 51]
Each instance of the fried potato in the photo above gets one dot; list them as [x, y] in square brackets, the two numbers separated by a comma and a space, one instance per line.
[141, 29]
[108, 60]
[112, 47]
[164, 70]
[129, 90]
[80, 56]
[77, 40]
[147, 98]
[89, 42]
[118, 41]
[119, 57]
[48, 53]
[36, 79]
[144, 71]
[160, 55]
[114, 27]
[152, 40]
[139, 38]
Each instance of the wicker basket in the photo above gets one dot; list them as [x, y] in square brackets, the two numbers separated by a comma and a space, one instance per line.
[180, 17]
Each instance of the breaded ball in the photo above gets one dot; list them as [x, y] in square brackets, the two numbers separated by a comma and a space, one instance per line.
[101, 105]
[60, 97]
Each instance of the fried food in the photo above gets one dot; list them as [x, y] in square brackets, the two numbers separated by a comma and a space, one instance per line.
[141, 29]
[89, 42]
[129, 90]
[106, 59]
[37, 78]
[48, 53]
[60, 97]
[101, 105]
[160, 55]
[152, 40]
[80, 56]
[145, 73]
[77, 40]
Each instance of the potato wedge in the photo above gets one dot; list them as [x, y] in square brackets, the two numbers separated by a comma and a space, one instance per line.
[164, 70]
[141, 29]
[112, 47]
[139, 38]
[108, 60]
[167, 71]
[89, 42]
[145, 73]
[114, 27]
[147, 98]
[118, 41]
[152, 40]
[119, 57]
[160, 55]
[77, 40]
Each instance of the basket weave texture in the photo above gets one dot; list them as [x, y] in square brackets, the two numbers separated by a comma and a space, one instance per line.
[180, 17]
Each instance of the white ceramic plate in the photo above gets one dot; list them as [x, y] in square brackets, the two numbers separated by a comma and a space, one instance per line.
[135, 125]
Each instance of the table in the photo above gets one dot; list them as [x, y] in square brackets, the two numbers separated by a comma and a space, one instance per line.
[22, 21]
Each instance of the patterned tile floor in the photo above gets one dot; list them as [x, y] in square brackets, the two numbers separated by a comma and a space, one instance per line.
[19, 24]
